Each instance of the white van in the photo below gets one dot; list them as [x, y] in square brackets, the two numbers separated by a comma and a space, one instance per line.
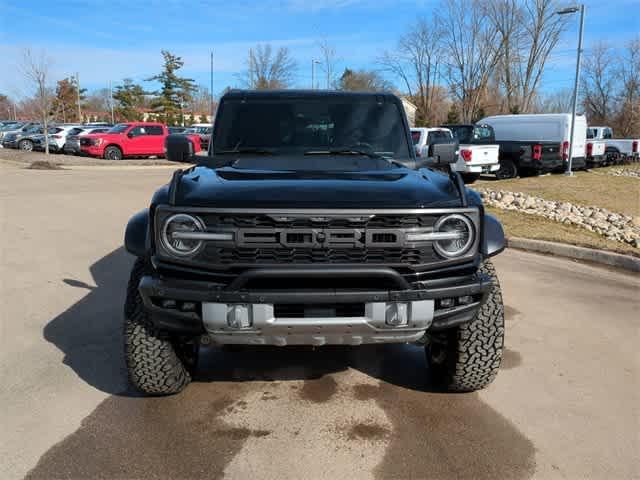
[547, 135]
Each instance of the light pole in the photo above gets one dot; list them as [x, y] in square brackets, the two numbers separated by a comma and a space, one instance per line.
[566, 11]
[211, 88]
[313, 73]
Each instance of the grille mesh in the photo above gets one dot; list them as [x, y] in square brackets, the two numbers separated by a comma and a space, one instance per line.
[230, 256]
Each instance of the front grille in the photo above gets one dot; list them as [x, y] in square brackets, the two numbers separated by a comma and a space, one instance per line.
[273, 238]
[85, 141]
[266, 255]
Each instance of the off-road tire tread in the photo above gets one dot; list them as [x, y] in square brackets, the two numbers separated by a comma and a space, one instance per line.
[474, 352]
[153, 366]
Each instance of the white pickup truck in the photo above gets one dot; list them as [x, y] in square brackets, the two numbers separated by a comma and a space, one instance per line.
[595, 153]
[617, 149]
[473, 158]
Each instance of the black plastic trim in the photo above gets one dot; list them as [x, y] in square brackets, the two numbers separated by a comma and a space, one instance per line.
[137, 234]
[493, 240]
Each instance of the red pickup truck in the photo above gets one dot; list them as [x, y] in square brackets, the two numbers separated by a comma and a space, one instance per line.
[132, 139]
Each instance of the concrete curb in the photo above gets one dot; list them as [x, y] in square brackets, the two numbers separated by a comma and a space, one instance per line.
[625, 262]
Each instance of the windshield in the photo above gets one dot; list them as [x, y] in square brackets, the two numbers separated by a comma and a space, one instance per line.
[121, 127]
[591, 133]
[295, 126]
[202, 130]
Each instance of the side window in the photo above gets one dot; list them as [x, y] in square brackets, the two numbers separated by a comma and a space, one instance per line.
[137, 131]
[415, 136]
[154, 130]
[607, 133]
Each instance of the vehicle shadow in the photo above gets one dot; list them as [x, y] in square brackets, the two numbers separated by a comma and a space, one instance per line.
[89, 334]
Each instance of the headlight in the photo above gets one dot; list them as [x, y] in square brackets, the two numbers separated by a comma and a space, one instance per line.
[180, 234]
[97, 142]
[457, 235]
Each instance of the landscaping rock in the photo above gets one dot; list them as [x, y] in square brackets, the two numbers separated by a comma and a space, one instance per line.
[612, 225]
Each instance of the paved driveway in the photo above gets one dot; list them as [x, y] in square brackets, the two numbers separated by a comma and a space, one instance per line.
[565, 405]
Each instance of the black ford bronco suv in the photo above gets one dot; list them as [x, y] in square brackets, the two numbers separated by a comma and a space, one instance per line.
[312, 222]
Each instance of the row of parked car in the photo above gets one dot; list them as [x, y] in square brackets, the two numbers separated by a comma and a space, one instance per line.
[512, 145]
[102, 140]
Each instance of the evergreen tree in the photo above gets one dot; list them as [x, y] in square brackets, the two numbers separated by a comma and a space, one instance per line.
[130, 98]
[175, 91]
[453, 115]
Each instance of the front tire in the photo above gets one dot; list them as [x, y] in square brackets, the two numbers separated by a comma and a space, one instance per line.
[112, 153]
[467, 358]
[152, 359]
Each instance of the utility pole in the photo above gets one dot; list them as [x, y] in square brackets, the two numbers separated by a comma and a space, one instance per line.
[565, 11]
[211, 89]
[78, 90]
[111, 103]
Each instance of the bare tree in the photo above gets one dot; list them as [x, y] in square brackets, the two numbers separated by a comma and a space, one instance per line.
[628, 118]
[266, 70]
[36, 70]
[416, 62]
[472, 49]
[558, 101]
[528, 31]
[329, 62]
[599, 83]
[363, 81]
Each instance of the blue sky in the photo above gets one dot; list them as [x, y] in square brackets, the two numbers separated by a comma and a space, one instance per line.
[114, 39]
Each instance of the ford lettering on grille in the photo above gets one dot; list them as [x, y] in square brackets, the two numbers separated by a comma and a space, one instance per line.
[318, 237]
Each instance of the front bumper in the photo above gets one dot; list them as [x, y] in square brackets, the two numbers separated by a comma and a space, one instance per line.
[264, 325]
[92, 151]
[10, 143]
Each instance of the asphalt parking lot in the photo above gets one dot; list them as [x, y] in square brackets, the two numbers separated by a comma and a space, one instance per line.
[566, 404]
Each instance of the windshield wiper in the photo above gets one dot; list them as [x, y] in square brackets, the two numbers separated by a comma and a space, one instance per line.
[253, 150]
[345, 151]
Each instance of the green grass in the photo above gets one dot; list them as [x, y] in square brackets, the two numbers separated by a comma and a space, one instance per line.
[594, 188]
[524, 225]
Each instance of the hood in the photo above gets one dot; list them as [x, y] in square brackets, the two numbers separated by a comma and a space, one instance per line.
[242, 188]
[105, 136]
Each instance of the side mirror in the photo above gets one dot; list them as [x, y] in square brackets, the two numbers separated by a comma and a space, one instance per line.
[130, 134]
[178, 148]
[440, 154]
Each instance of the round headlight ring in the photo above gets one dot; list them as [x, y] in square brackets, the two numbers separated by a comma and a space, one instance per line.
[441, 223]
[183, 248]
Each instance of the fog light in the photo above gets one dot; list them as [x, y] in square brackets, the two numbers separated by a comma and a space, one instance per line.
[465, 300]
[397, 314]
[447, 302]
[188, 307]
[167, 303]
[238, 316]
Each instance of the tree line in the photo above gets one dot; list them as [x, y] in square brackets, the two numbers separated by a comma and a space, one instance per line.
[466, 60]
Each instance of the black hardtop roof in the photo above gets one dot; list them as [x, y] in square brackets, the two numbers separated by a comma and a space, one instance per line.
[385, 96]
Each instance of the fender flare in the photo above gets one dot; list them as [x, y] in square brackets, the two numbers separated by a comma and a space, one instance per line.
[493, 240]
[137, 239]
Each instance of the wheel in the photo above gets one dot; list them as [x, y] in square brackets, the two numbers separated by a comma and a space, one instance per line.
[470, 177]
[508, 169]
[467, 358]
[112, 153]
[156, 363]
[25, 145]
